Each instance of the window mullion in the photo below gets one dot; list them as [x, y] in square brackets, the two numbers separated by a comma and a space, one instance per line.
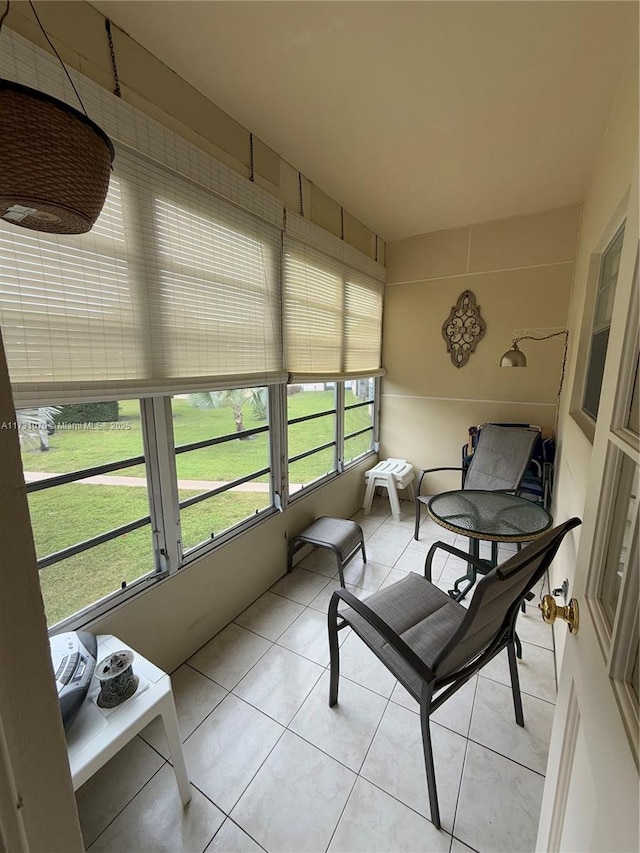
[163, 481]
[340, 416]
[278, 445]
[377, 396]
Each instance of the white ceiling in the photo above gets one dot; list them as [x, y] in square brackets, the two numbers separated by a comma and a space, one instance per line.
[415, 116]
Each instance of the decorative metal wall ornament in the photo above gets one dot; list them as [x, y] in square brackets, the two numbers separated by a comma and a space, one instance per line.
[463, 328]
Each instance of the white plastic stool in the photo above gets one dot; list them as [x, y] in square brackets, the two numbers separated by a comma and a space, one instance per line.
[392, 474]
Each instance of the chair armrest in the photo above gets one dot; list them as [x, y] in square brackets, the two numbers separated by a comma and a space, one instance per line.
[430, 471]
[383, 629]
[479, 564]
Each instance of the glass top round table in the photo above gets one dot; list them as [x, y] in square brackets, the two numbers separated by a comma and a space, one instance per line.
[492, 516]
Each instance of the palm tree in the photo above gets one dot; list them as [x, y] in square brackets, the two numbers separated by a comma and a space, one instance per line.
[217, 399]
[36, 424]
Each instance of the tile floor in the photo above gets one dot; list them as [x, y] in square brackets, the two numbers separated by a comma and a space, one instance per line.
[274, 768]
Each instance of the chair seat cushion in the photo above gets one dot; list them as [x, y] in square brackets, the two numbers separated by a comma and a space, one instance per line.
[424, 616]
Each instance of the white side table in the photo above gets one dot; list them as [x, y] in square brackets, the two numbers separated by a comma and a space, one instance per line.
[97, 734]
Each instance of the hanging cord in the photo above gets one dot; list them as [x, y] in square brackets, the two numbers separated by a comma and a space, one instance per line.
[301, 194]
[251, 172]
[52, 46]
[2, 17]
[4, 14]
[116, 90]
[564, 334]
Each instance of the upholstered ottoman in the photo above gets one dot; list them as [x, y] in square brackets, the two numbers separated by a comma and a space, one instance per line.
[345, 538]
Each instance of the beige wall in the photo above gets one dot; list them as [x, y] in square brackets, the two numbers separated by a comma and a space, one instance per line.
[603, 213]
[79, 34]
[520, 271]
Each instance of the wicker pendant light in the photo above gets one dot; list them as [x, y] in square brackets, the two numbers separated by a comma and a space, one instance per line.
[55, 162]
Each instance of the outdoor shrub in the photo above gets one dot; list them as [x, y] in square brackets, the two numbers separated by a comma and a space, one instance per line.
[88, 413]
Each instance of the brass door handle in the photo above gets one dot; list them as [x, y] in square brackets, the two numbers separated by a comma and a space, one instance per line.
[552, 611]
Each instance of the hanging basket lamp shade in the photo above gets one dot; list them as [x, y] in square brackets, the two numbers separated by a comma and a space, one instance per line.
[55, 163]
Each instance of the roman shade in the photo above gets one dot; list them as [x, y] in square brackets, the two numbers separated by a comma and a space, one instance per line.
[174, 287]
[332, 316]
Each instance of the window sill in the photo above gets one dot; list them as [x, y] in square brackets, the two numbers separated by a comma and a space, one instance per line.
[586, 424]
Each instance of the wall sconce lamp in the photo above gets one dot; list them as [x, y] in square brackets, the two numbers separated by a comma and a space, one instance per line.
[516, 358]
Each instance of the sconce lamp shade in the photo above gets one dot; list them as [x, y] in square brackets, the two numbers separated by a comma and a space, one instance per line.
[513, 357]
[516, 358]
[55, 163]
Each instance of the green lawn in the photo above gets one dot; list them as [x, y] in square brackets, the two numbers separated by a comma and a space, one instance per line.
[75, 449]
[69, 514]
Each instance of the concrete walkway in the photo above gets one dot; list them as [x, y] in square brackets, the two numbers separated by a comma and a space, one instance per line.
[140, 482]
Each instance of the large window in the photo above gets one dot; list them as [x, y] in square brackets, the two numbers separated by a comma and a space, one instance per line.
[179, 306]
[125, 492]
[330, 426]
[601, 325]
[222, 461]
[621, 533]
[105, 484]
[359, 418]
[86, 475]
[312, 433]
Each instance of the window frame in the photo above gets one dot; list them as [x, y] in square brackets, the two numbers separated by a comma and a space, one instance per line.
[330, 475]
[617, 222]
[189, 555]
[154, 519]
[340, 436]
[167, 556]
[374, 428]
[596, 330]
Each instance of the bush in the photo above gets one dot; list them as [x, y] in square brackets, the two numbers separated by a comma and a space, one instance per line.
[293, 389]
[88, 413]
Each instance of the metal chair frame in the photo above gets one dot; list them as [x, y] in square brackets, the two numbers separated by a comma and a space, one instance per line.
[543, 549]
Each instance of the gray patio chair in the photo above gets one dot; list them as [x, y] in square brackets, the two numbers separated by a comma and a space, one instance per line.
[499, 462]
[432, 644]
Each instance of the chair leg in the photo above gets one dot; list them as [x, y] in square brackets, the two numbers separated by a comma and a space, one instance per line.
[425, 703]
[364, 553]
[515, 684]
[518, 645]
[415, 535]
[334, 651]
[392, 492]
[290, 555]
[368, 494]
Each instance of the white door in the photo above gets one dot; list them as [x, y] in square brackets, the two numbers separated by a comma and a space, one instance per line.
[590, 800]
